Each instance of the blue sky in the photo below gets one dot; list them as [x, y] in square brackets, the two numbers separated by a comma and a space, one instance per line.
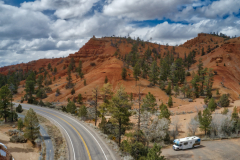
[33, 29]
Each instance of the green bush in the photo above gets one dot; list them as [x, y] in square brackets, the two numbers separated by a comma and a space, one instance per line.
[224, 101]
[19, 109]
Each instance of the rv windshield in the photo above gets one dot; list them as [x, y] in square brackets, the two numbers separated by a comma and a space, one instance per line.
[176, 144]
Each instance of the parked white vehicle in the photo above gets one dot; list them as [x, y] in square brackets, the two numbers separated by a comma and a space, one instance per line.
[187, 142]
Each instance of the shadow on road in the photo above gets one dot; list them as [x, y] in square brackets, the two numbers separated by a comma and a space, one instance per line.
[46, 137]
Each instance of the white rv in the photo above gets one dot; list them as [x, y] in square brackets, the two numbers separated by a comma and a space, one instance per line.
[187, 142]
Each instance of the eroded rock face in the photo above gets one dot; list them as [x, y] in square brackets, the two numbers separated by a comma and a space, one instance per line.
[218, 59]
[94, 47]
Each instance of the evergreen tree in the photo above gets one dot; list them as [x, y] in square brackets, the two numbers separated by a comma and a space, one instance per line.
[169, 89]
[106, 80]
[195, 85]
[170, 103]
[155, 153]
[205, 120]
[69, 78]
[41, 103]
[55, 70]
[218, 92]
[19, 108]
[131, 97]
[203, 53]
[164, 112]
[224, 101]
[136, 71]
[154, 73]
[124, 73]
[20, 124]
[212, 105]
[58, 91]
[29, 88]
[80, 99]
[73, 91]
[49, 66]
[149, 103]
[40, 81]
[120, 111]
[82, 112]
[32, 125]
[5, 94]
[71, 107]
[164, 69]
[176, 90]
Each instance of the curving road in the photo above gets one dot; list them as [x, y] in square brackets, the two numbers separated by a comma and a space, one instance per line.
[82, 141]
[47, 141]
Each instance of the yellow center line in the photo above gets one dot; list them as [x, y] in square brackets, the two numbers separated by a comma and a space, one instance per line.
[89, 156]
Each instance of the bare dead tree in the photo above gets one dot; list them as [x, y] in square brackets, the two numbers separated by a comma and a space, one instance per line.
[95, 92]
[175, 127]
[193, 126]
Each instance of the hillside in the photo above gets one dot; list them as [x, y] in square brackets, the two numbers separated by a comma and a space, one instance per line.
[99, 61]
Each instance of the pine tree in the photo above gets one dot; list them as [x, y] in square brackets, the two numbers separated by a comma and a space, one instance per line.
[5, 102]
[224, 101]
[106, 80]
[149, 103]
[20, 124]
[169, 89]
[55, 70]
[124, 73]
[69, 78]
[29, 88]
[176, 90]
[80, 99]
[218, 92]
[212, 105]
[131, 96]
[19, 108]
[40, 81]
[154, 73]
[155, 153]
[73, 91]
[120, 111]
[49, 66]
[95, 93]
[32, 125]
[205, 120]
[82, 112]
[170, 103]
[164, 112]
[136, 71]
[71, 107]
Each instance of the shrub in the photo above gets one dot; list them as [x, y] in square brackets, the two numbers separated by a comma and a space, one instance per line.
[225, 111]
[19, 109]
[188, 74]
[93, 64]
[73, 91]
[224, 101]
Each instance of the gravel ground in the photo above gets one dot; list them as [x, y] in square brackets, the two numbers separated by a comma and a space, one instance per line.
[209, 150]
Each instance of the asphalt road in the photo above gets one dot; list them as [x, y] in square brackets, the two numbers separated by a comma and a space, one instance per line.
[47, 141]
[82, 141]
[209, 150]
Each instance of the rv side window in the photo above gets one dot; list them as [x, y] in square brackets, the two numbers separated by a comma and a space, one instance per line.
[186, 143]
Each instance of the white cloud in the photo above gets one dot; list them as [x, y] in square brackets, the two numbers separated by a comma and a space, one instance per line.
[64, 9]
[144, 9]
[17, 23]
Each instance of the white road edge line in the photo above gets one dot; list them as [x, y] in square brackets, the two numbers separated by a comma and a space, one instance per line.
[65, 131]
[88, 132]
[67, 134]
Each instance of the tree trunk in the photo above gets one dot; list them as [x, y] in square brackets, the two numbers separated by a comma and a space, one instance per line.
[119, 134]
[96, 107]
[139, 114]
